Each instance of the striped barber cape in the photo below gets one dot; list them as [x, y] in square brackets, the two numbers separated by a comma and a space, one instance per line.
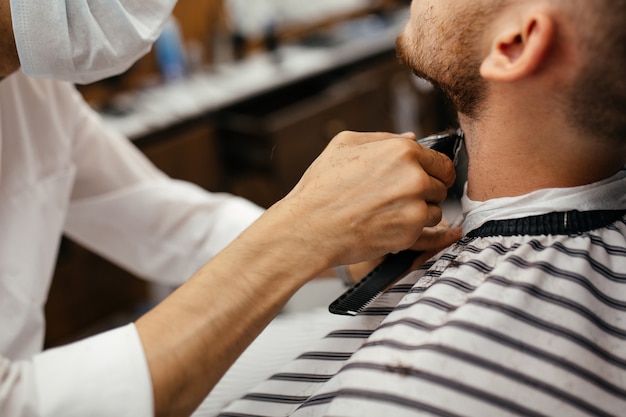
[495, 325]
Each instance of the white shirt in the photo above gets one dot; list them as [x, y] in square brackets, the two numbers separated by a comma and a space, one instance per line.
[61, 172]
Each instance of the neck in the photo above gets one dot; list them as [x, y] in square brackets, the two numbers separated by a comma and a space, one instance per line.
[512, 153]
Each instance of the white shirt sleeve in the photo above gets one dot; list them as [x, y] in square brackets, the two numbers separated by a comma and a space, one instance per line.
[119, 205]
[105, 375]
[128, 211]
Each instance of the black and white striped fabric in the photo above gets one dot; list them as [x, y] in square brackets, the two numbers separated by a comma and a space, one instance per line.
[493, 326]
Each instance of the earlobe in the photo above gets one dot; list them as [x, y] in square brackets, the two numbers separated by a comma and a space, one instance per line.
[519, 52]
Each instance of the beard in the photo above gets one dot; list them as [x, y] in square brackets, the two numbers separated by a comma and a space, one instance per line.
[449, 60]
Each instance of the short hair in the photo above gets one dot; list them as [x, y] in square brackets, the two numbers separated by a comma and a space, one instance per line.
[598, 99]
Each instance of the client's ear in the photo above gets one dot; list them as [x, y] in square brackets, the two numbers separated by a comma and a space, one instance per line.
[519, 48]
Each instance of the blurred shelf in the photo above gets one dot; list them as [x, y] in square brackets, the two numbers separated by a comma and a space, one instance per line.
[151, 109]
[295, 31]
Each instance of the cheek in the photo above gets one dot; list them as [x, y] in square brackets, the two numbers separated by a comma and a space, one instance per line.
[403, 49]
[411, 34]
[424, 10]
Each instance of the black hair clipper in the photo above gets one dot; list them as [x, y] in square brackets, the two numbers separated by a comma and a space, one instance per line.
[361, 294]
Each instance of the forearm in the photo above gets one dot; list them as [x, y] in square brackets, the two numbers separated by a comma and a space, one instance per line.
[193, 337]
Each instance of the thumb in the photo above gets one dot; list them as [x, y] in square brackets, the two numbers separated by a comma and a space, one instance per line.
[437, 238]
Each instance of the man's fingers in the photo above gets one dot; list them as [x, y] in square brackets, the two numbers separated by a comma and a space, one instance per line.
[435, 214]
[437, 165]
[437, 238]
[435, 191]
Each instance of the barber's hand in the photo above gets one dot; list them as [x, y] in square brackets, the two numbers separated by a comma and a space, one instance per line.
[368, 194]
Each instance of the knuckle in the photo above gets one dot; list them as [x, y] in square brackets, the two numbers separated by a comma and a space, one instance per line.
[416, 214]
[340, 138]
[345, 136]
[419, 181]
[407, 238]
[403, 148]
[435, 215]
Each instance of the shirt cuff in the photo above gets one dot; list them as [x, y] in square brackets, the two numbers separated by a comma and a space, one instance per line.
[105, 375]
[231, 219]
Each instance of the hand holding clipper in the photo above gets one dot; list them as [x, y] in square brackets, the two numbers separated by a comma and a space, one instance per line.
[361, 294]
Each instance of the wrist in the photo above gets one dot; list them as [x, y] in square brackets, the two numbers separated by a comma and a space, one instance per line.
[284, 243]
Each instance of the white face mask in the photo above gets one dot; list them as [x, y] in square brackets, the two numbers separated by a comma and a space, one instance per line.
[83, 41]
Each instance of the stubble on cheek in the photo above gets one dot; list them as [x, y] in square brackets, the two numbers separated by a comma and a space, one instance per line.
[443, 52]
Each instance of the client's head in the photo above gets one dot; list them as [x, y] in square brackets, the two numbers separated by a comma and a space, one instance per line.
[572, 50]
